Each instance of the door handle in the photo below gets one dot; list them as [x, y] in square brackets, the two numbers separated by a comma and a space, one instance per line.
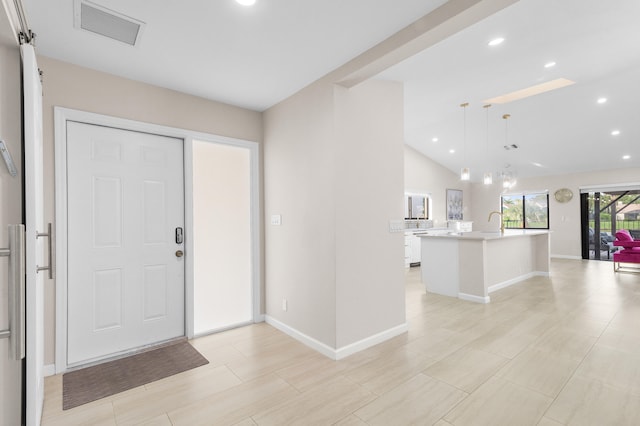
[179, 253]
[15, 253]
[49, 236]
[179, 236]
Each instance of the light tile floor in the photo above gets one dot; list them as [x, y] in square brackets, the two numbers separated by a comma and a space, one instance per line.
[563, 350]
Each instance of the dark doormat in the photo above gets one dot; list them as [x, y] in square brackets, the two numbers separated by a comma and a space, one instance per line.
[99, 381]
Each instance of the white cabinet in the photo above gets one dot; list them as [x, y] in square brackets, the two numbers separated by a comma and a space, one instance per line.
[415, 249]
[411, 249]
[407, 251]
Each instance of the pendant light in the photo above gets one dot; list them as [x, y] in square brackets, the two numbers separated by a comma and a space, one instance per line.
[508, 177]
[488, 176]
[465, 174]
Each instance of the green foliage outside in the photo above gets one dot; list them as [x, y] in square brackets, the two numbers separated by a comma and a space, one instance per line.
[620, 224]
[535, 208]
[614, 209]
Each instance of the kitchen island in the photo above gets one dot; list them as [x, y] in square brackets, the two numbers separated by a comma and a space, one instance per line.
[470, 265]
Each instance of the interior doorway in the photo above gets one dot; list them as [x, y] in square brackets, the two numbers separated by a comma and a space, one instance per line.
[604, 212]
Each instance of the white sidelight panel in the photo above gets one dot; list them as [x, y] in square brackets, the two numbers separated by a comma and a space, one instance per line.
[222, 236]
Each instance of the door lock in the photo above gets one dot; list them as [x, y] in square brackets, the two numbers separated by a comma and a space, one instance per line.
[179, 253]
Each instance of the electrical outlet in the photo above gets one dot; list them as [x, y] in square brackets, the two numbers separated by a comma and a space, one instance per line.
[284, 305]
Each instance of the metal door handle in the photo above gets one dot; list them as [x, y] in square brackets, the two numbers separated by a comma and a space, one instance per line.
[15, 253]
[179, 253]
[49, 235]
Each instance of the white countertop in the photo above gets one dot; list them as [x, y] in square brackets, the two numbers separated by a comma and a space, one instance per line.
[480, 235]
[423, 230]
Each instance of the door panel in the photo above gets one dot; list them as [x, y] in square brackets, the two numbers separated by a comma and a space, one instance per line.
[107, 299]
[11, 202]
[107, 211]
[125, 282]
[34, 222]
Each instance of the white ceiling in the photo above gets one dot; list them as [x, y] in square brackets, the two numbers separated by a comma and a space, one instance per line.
[594, 43]
[252, 57]
[255, 57]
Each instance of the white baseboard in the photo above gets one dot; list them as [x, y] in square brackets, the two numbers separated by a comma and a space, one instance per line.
[328, 351]
[563, 256]
[49, 370]
[472, 298]
[259, 318]
[363, 344]
[515, 280]
[301, 337]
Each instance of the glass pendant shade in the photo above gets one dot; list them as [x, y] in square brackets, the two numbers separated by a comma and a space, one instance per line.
[509, 179]
[465, 174]
[488, 178]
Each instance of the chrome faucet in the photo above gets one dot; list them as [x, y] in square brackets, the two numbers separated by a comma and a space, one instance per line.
[501, 221]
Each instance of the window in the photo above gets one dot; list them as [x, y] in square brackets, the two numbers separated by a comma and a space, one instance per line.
[527, 211]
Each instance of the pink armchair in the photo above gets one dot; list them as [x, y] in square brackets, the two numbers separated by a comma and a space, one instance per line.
[629, 254]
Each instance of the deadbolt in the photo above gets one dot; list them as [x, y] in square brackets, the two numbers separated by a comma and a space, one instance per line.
[179, 253]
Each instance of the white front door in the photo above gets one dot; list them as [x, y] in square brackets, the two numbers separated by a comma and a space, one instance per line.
[34, 223]
[125, 270]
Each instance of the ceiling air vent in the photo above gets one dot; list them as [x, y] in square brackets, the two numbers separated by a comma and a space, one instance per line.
[97, 19]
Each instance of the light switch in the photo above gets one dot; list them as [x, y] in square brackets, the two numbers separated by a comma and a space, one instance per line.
[276, 219]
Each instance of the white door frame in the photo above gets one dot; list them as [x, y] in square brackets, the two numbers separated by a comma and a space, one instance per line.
[61, 116]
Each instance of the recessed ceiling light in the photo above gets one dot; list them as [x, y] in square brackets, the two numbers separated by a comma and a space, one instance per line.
[550, 64]
[615, 132]
[538, 165]
[602, 100]
[626, 157]
[434, 140]
[246, 2]
[452, 151]
[496, 41]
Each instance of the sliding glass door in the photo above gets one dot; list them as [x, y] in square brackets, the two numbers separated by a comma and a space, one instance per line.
[603, 214]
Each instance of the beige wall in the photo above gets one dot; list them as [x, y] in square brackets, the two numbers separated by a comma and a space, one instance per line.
[300, 263]
[370, 295]
[564, 218]
[333, 170]
[423, 175]
[80, 88]
[10, 213]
